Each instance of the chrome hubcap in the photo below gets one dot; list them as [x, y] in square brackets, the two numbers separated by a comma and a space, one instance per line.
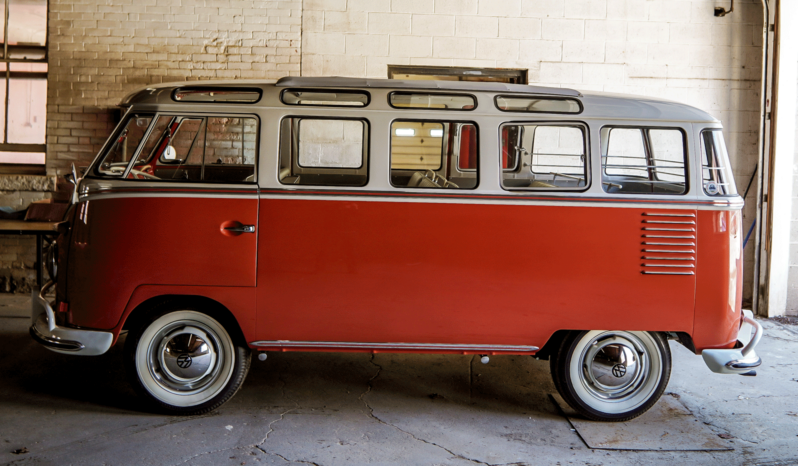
[184, 357]
[614, 366]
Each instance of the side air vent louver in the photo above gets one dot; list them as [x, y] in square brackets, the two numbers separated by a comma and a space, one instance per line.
[668, 244]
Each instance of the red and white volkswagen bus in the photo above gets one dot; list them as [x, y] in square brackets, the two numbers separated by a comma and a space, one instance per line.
[336, 214]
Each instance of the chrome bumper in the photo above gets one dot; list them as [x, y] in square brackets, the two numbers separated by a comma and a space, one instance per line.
[739, 360]
[63, 339]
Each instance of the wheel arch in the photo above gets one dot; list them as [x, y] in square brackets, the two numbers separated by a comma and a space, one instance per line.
[212, 307]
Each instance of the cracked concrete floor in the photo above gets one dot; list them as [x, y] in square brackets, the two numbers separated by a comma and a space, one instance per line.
[343, 409]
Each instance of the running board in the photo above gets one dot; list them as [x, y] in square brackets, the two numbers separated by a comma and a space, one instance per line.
[395, 346]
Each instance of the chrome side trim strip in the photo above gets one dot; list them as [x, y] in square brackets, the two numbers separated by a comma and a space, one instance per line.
[668, 259]
[668, 236]
[390, 346]
[646, 272]
[646, 214]
[689, 266]
[691, 251]
[668, 229]
[646, 243]
[669, 222]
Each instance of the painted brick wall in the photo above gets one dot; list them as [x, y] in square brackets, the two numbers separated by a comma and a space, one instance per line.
[675, 49]
[99, 51]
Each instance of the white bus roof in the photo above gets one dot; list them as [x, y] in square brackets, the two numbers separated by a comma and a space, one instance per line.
[596, 104]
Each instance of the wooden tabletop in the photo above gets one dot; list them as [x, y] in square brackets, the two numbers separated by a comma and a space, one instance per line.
[23, 227]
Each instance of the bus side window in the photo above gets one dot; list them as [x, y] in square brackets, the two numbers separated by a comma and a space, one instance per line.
[434, 154]
[643, 160]
[542, 156]
[323, 151]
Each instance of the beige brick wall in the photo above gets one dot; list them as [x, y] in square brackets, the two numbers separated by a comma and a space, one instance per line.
[675, 49]
[100, 51]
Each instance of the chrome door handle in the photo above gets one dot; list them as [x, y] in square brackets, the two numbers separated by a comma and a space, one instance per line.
[242, 229]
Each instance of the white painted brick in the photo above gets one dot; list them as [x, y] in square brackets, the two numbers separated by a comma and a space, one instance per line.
[456, 7]
[497, 49]
[672, 10]
[627, 10]
[582, 51]
[605, 30]
[500, 7]
[519, 28]
[648, 33]
[542, 8]
[412, 6]
[560, 73]
[625, 52]
[666, 54]
[370, 6]
[433, 62]
[476, 63]
[389, 23]
[586, 9]
[343, 65]
[367, 45]
[324, 5]
[690, 33]
[476, 26]
[346, 21]
[563, 29]
[323, 43]
[721, 56]
[313, 21]
[410, 46]
[454, 47]
[535, 51]
[312, 64]
[603, 73]
[432, 25]
[377, 67]
[652, 76]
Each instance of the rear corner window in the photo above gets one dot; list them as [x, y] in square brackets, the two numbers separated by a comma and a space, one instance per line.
[643, 160]
[717, 176]
[434, 154]
[323, 151]
[325, 98]
[432, 101]
[508, 103]
[538, 156]
[226, 95]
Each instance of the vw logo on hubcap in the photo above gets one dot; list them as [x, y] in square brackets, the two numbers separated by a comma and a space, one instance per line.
[618, 370]
[184, 362]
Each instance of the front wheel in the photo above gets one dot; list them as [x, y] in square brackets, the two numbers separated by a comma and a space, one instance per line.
[612, 375]
[185, 361]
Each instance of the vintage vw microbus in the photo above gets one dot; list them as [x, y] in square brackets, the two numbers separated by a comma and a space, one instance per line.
[338, 214]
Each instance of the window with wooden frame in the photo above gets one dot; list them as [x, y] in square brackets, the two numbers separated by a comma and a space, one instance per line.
[23, 87]
[458, 73]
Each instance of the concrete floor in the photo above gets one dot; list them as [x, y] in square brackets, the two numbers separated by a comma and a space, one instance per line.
[343, 409]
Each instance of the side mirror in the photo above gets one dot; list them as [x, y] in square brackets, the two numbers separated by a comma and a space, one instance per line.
[73, 178]
[169, 153]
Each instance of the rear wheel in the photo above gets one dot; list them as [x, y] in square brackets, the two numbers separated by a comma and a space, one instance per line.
[185, 361]
[612, 375]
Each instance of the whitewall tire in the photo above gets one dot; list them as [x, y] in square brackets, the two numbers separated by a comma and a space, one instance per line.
[185, 360]
[612, 375]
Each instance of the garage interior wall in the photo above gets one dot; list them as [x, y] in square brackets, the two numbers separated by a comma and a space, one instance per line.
[675, 49]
